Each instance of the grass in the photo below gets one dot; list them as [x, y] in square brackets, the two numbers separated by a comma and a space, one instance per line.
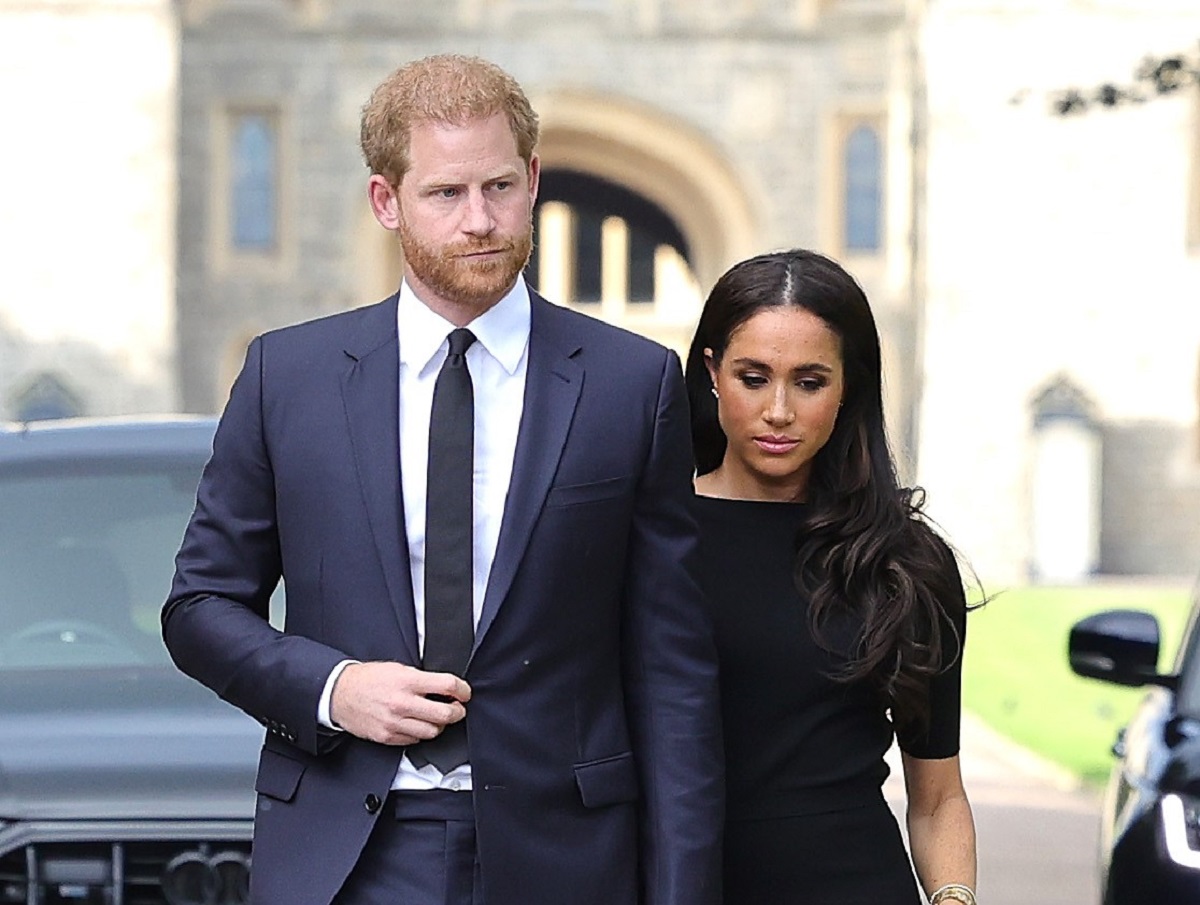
[1017, 680]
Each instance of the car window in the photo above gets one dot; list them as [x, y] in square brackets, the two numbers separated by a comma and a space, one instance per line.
[86, 558]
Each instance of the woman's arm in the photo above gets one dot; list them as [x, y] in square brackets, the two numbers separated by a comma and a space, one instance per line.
[941, 830]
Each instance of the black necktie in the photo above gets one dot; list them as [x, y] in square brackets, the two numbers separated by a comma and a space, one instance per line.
[449, 617]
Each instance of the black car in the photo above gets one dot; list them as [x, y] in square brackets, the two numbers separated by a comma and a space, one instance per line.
[1150, 835]
[121, 781]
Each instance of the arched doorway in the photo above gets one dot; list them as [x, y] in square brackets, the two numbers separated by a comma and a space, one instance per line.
[607, 251]
[660, 158]
[596, 239]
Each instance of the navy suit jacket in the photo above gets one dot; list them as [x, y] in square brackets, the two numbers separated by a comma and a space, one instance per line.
[593, 728]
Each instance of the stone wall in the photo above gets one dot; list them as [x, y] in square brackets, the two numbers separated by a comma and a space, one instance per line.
[1060, 246]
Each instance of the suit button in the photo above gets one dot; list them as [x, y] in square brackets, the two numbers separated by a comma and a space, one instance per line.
[372, 803]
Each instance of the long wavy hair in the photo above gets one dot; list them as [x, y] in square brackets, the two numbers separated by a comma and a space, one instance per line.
[864, 546]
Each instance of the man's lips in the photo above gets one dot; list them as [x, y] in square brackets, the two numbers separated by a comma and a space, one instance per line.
[776, 445]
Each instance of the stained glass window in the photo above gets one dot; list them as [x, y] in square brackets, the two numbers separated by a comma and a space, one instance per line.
[864, 190]
[255, 182]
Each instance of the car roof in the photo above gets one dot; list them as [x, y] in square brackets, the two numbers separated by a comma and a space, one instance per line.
[80, 438]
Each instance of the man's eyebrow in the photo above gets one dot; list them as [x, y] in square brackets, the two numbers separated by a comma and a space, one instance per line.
[442, 182]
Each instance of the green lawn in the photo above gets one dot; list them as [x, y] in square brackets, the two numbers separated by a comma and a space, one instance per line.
[1016, 677]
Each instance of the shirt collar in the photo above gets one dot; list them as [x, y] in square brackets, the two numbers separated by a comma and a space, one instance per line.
[503, 330]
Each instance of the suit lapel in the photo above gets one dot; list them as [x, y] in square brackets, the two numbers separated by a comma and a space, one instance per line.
[371, 390]
[553, 381]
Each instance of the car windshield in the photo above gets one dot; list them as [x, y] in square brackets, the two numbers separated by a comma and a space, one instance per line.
[86, 558]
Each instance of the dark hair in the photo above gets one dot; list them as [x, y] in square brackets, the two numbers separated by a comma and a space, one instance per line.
[864, 543]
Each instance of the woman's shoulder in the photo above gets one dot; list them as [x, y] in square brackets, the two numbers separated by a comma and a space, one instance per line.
[924, 535]
[941, 563]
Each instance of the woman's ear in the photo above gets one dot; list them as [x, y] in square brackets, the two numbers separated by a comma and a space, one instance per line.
[710, 363]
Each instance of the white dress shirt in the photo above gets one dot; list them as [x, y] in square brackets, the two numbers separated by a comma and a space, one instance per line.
[497, 362]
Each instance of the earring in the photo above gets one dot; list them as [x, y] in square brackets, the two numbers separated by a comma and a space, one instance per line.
[716, 395]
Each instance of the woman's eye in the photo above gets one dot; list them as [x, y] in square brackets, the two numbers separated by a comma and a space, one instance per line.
[810, 384]
[752, 380]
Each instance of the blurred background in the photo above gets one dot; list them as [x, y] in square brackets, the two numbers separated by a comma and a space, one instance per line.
[1016, 183]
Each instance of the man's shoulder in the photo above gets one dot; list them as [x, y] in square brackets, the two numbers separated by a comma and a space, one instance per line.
[340, 324]
[588, 330]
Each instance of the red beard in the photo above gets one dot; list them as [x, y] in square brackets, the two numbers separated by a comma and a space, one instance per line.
[464, 280]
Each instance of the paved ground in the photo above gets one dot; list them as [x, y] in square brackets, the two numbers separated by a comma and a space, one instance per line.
[1038, 830]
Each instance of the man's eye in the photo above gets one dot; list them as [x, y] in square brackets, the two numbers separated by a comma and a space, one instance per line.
[502, 185]
[447, 193]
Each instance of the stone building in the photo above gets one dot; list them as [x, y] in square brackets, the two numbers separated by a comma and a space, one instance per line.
[88, 90]
[1035, 276]
[1059, 405]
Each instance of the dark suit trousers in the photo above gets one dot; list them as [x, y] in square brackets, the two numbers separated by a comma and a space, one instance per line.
[421, 852]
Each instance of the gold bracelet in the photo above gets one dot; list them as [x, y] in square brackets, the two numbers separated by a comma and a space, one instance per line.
[953, 892]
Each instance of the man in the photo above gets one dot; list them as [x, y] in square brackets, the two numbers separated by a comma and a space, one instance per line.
[567, 749]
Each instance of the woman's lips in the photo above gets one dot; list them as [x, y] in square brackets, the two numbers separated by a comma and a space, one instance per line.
[776, 445]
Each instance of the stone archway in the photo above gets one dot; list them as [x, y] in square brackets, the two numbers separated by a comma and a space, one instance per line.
[660, 157]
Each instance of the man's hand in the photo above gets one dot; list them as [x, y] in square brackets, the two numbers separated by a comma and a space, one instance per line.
[389, 702]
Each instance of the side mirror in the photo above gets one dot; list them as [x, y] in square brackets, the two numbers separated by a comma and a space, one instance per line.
[1119, 646]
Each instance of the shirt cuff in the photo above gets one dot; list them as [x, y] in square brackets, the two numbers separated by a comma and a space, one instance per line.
[323, 716]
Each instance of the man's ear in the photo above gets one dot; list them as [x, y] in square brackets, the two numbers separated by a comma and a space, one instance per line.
[535, 172]
[385, 202]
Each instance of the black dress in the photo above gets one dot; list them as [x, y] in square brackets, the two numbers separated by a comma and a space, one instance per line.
[807, 822]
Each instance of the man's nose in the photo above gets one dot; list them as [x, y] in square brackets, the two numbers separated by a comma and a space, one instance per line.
[478, 219]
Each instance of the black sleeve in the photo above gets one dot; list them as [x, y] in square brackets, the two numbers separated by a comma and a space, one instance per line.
[941, 738]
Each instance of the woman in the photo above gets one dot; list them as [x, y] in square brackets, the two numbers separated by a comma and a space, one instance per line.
[840, 614]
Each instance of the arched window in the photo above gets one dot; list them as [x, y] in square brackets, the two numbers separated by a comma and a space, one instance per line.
[44, 398]
[863, 202]
[254, 183]
[600, 241]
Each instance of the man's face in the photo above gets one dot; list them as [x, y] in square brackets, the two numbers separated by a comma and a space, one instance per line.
[464, 212]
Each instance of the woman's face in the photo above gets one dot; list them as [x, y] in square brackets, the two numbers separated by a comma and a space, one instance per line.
[779, 386]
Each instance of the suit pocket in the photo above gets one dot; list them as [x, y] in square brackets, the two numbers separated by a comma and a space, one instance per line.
[278, 775]
[594, 491]
[610, 780]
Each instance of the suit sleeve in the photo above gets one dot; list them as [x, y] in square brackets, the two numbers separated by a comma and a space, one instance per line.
[671, 673]
[215, 621]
